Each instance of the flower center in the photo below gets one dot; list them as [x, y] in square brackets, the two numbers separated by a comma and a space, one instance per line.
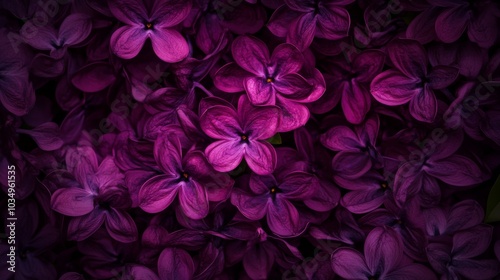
[384, 185]
[149, 25]
[244, 138]
[269, 80]
[185, 176]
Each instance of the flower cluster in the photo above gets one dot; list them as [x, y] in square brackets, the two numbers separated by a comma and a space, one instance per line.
[256, 139]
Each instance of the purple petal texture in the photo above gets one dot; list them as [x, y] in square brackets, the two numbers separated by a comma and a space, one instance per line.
[246, 139]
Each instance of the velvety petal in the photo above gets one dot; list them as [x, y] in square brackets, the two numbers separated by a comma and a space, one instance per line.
[131, 12]
[259, 91]
[224, 155]
[46, 136]
[408, 181]
[251, 54]
[483, 29]
[368, 64]
[333, 22]
[355, 101]
[349, 264]
[393, 88]
[293, 86]
[294, 114]
[254, 207]
[175, 263]
[283, 218]
[409, 57]
[299, 185]
[260, 157]
[326, 197]
[127, 42]
[260, 184]
[302, 30]
[451, 23]
[81, 228]
[82, 162]
[168, 154]
[301, 6]
[351, 164]
[439, 257]
[383, 249]
[72, 201]
[193, 200]
[231, 78]
[75, 28]
[442, 76]
[121, 226]
[456, 170]
[258, 122]
[157, 193]
[169, 45]
[423, 106]
[280, 20]
[16, 93]
[464, 215]
[220, 122]
[359, 202]
[43, 39]
[472, 242]
[341, 138]
[258, 262]
[287, 59]
[168, 13]
[421, 28]
[138, 272]
[94, 77]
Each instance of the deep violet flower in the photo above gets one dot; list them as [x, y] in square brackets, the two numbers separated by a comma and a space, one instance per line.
[300, 21]
[155, 23]
[383, 259]
[184, 176]
[456, 261]
[412, 81]
[96, 196]
[241, 134]
[271, 79]
[273, 198]
[356, 148]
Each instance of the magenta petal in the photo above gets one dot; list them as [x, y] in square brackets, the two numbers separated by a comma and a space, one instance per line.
[280, 20]
[254, 207]
[94, 77]
[421, 28]
[283, 218]
[258, 262]
[423, 106]
[231, 78]
[411, 272]
[351, 164]
[169, 45]
[333, 23]
[294, 114]
[168, 153]
[456, 170]
[369, 63]
[293, 86]
[16, 93]
[46, 136]
[131, 12]
[175, 263]
[259, 122]
[472, 242]
[302, 30]
[349, 264]
[220, 122]
[341, 138]
[127, 42]
[75, 28]
[355, 101]
[259, 91]
[409, 57]
[168, 13]
[393, 88]
[72, 201]
[451, 24]
[83, 227]
[383, 249]
[121, 226]
[287, 59]
[261, 157]
[193, 200]
[225, 155]
[359, 202]
[442, 76]
[158, 193]
[251, 54]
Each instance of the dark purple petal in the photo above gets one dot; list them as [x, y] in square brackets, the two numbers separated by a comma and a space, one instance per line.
[231, 78]
[127, 42]
[350, 264]
[393, 88]
[409, 57]
[193, 200]
[121, 226]
[175, 263]
[451, 23]
[261, 157]
[75, 28]
[472, 242]
[169, 45]
[333, 23]
[225, 155]
[456, 170]
[287, 59]
[168, 13]
[383, 249]
[252, 207]
[72, 201]
[302, 30]
[158, 193]
[81, 228]
[283, 218]
[220, 122]
[442, 76]
[251, 54]
[131, 12]
[259, 91]
[423, 106]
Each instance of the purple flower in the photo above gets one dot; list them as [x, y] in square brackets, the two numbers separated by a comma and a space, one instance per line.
[479, 18]
[356, 148]
[156, 24]
[187, 177]
[456, 262]
[241, 134]
[411, 81]
[271, 79]
[272, 197]
[383, 259]
[175, 263]
[96, 197]
[350, 84]
[300, 21]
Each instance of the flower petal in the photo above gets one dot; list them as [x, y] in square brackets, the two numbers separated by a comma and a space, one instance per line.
[72, 201]
[169, 45]
[251, 54]
[193, 200]
[126, 42]
[157, 193]
[121, 226]
[225, 155]
[393, 88]
[175, 263]
[261, 157]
